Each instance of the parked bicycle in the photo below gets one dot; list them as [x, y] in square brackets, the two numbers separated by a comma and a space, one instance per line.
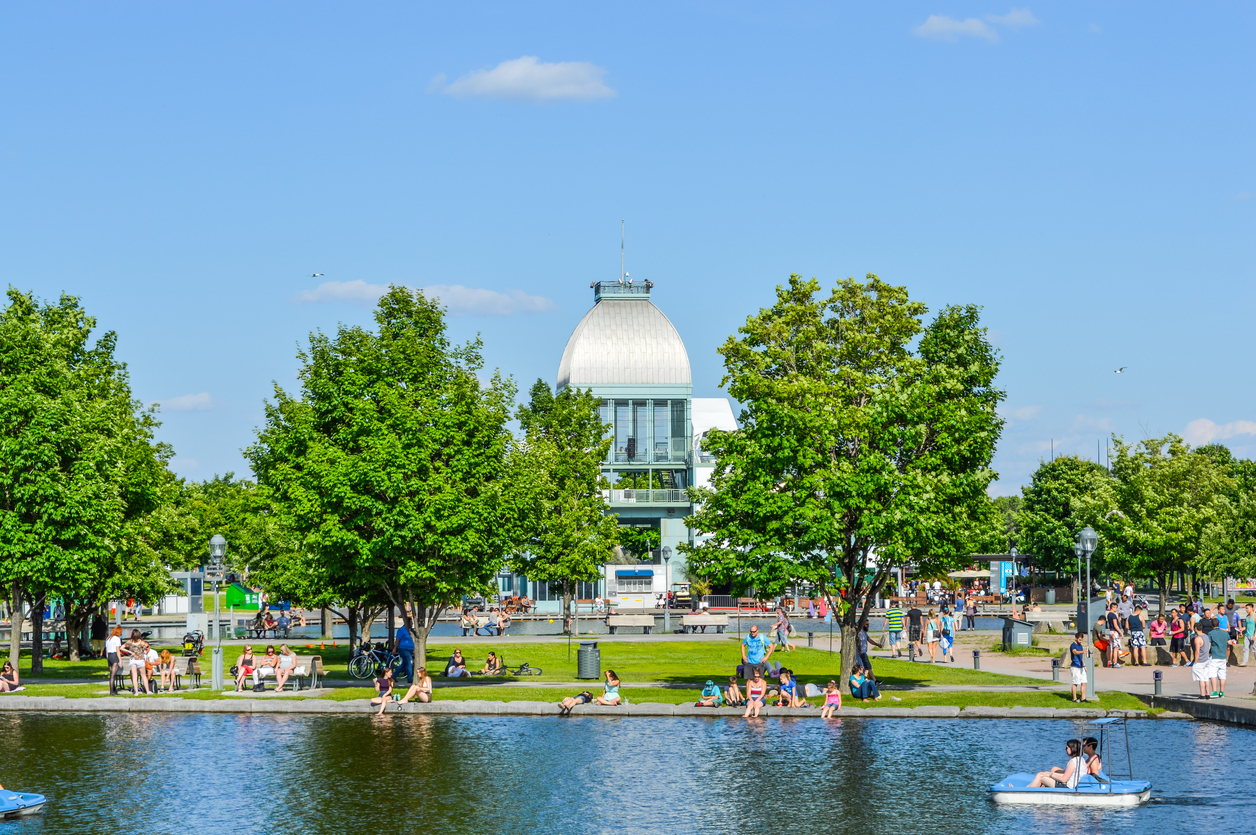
[369, 660]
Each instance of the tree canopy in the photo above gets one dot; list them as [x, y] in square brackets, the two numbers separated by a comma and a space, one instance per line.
[865, 443]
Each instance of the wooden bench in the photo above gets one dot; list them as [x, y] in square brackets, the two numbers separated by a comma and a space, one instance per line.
[308, 669]
[646, 622]
[692, 623]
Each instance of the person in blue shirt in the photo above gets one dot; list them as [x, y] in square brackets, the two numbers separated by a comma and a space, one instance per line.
[711, 696]
[405, 648]
[755, 651]
[1077, 665]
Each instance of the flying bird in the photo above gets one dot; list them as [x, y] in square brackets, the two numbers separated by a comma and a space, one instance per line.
[315, 275]
[1121, 370]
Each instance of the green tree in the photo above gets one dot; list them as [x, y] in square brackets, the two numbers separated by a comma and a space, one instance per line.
[1165, 500]
[856, 454]
[392, 463]
[85, 492]
[570, 534]
[637, 541]
[1064, 495]
[1007, 524]
[1229, 543]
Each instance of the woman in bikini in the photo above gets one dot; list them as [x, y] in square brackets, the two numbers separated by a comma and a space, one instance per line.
[756, 693]
[420, 691]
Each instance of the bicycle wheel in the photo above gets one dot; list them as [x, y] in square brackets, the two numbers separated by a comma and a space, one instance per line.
[362, 666]
[394, 662]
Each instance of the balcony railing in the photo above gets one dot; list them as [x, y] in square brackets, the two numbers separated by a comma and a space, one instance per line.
[630, 496]
[675, 452]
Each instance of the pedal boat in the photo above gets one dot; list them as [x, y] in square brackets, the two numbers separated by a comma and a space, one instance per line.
[1090, 791]
[16, 804]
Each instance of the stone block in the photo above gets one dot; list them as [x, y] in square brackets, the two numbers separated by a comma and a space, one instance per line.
[888, 712]
[1019, 712]
[1080, 713]
[1129, 714]
[936, 712]
[1172, 714]
[984, 712]
[600, 710]
[526, 708]
[660, 709]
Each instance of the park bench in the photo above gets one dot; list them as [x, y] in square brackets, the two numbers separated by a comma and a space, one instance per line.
[184, 667]
[308, 669]
[692, 623]
[614, 622]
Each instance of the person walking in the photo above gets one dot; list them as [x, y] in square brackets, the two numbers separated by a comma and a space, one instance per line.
[970, 613]
[404, 647]
[893, 626]
[1219, 643]
[782, 630]
[948, 622]
[933, 631]
[915, 625]
[1138, 637]
[113, 652]
[861, 643]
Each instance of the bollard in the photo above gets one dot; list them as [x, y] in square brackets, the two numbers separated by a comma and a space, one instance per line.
[811, 639]
[1055, 669]
[1157, 675]
[911, 652]
[976, 659]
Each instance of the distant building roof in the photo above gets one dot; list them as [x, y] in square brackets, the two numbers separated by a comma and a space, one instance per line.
[624, 339]
[712, 413]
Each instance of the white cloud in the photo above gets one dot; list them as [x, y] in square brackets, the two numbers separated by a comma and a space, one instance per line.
[1015, 18]
[1204, 431]
[1023, 413]
[1084, 422]
[188, 402]
[474, 301]
[459, 300]
[529, 79]
[343, 291]
[942, 28]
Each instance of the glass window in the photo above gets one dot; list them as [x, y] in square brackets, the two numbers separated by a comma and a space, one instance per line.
[680, 431]
[661, 435]
[623, 429]
[640, 430]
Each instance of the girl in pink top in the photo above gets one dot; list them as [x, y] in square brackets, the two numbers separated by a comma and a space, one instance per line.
[832, 700]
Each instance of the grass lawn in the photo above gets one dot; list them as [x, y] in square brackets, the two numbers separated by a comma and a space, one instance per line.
[1111, 700]
[671, 662]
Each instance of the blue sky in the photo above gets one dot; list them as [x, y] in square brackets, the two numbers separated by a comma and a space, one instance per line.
[1082, 171]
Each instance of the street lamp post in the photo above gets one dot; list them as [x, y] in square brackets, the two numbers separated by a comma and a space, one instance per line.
[217, 550]
[667, 588]
[1087, 541]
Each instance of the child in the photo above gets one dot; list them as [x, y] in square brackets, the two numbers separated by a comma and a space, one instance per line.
[711, 696]
[733, 693]
[832, 700]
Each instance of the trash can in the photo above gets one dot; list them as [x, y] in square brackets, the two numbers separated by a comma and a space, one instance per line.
[588, 661]
[1017, 633]
[1050, 597]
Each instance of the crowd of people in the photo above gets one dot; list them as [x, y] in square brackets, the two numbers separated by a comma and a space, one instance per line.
[929, 633]
[138, 659]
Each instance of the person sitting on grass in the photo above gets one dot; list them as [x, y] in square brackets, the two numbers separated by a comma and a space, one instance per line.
[583, 698]
[832, 700]
[383, 689]
[862, 687]
[711, 696]
[610, 694]
[492, 666]
[457, 666]
[756, 694]
[421, 690]
[733, 694]
[1062, 777]
[9, 680]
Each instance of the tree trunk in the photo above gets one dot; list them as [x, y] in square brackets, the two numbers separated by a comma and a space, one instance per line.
[849, 652]
[75, 622]
[1164, 589]
[419, 620]
[37, 634]
[351, 617]
[15, 631]
[366, 621]
[392, 627]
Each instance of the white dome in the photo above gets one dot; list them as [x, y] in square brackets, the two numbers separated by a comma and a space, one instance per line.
[624, 341]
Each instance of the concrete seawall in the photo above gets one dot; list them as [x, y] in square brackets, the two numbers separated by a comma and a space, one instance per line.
[1228, 710]
[474, 707]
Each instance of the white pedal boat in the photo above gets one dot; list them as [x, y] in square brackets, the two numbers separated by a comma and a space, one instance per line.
[1090, 791]
[15, 804]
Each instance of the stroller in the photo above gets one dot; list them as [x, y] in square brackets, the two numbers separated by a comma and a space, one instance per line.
[193, 643]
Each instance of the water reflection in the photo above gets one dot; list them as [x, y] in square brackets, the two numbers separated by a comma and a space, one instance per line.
[202, 773]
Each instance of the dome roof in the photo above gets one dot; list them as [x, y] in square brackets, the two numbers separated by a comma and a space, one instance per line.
[624, 341]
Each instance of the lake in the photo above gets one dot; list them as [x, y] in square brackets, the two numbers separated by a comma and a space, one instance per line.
[196, 773]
